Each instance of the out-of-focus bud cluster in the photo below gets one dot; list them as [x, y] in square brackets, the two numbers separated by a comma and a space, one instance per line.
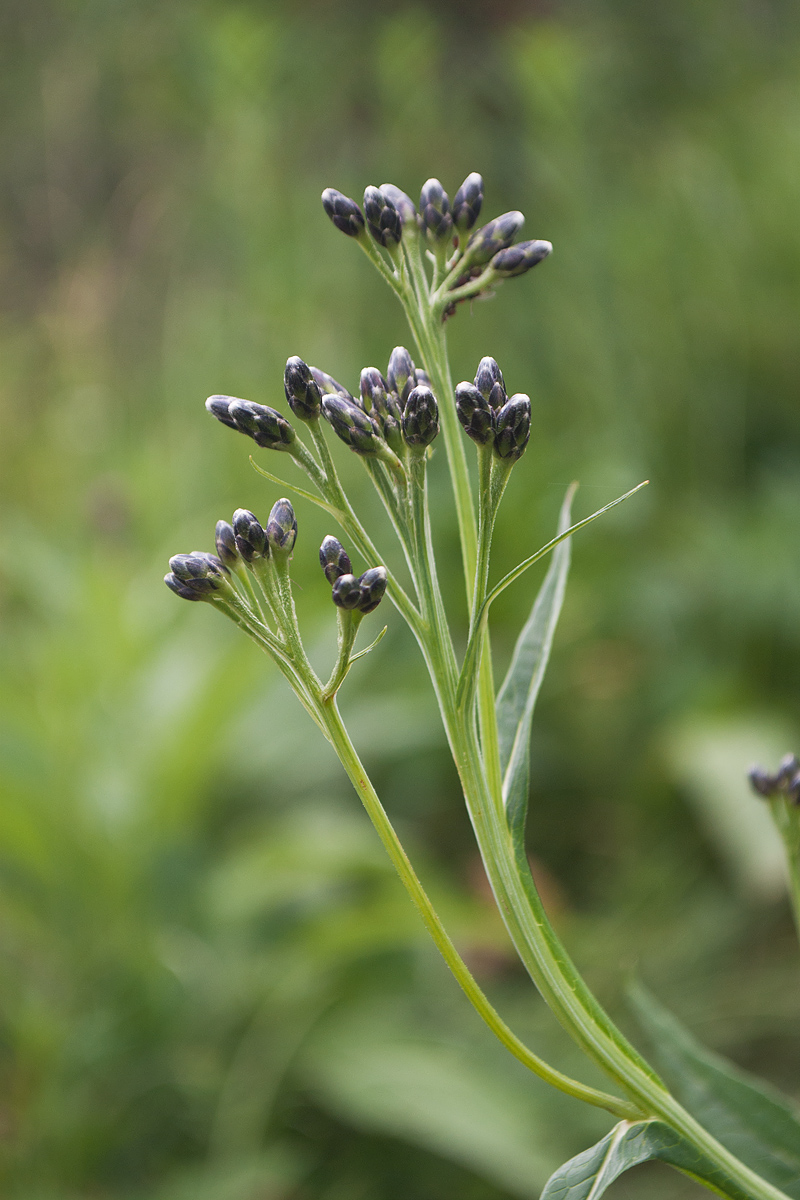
[489, 249]
[783, 782]
[490, 417]
[362, 593]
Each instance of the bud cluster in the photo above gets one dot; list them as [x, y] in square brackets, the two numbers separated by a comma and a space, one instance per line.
[264, 425]
[363, 593]
[490, 417]
[783, 782]
[196, 576]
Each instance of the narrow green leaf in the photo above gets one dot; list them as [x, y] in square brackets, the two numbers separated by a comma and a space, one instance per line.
[751, 1118]
[371, 646]
[298, 491]
[587, 1176]
[517, 696]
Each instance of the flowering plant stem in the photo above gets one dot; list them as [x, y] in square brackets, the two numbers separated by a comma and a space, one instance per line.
[391, 428]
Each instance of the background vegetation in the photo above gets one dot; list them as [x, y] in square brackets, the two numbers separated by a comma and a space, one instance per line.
[211, 985]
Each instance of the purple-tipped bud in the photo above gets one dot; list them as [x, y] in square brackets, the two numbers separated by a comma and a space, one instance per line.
[281, 529]
[382, 405]
[372, 586]
[512, 424]
[302, 389]
[434, 211]
[218, 407]
[401, 374]
[422, 376]
[495, 236]
[344, 212]
[226, 544]
[490, 383]
[373, 389]
[349, 422]
[264, 425]
[383, 219]
[474, 413]
[346, 591]
[330, 386]
[420, 417]
[333, 559]
[516, 260]
[468, 203]
[783, 782]
[403, 203]
[182, 589]
[251, 539]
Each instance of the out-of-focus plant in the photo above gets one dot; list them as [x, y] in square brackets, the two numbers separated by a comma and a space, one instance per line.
[434, 257]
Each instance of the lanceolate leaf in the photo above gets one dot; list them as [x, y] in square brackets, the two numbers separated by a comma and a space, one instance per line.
[752, 1119]
[587, 1176]
[517, 696]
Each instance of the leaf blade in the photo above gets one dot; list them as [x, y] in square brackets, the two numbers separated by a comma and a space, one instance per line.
[520, 688]
[751, 1118]
[589, 1174]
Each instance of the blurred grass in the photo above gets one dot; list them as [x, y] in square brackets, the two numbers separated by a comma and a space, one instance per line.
[211, 984]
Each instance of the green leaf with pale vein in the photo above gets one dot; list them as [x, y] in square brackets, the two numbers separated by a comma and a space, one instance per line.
[752, 1119]
[517, 696]
[587, 1176]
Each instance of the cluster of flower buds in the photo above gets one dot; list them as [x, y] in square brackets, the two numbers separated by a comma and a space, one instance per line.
[197, 576]
[264, 425]
[361, 593]
[490, 249]
[490, 416]
[783, 782]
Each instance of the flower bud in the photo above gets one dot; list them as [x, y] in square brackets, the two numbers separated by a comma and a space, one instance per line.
[516, 260]
[373, 389]
[333, 559]
[182, 589]
[403, 203]
[383, 219]
[302, 390]
[226, 544]
[372, 586]
[382, 405]
[495, 236]
[251, 539]
[474, 413]
[218, 407]
[434, 211]
[264, 425]
[195, 576]
[468, 203]
[328, 385]
[512, 427]
[351, 424]
[344, 212]
[490, 383]
[346, 591]
[421, 417]
[401, 374]
[281, 528]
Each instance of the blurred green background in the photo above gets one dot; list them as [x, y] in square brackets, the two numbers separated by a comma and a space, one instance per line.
[212, 985]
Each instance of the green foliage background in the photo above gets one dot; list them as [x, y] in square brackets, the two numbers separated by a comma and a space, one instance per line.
[212, 986]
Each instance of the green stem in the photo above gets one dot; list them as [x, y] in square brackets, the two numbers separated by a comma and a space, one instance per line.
[787, 818]
[346, 752]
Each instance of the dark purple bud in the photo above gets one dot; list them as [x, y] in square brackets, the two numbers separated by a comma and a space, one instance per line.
[403, 203]
[512, 427]
[333, 559]
[346, 591]
[495, 236]
[218, 407]
[264, 425]
[330, 386]
[401, 374]
[420, 417]
[490, 383]
[226, 544]
[351, 424]
[282, 529]
[251, 539]
[302, 389]
[516, 260]
[372, 586]
[344, 212]
[184, 590]
[468, 203]
[383, 219]
[474, 413]
[434, 211]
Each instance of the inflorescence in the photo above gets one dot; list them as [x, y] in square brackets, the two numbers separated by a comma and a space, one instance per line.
[783, 782]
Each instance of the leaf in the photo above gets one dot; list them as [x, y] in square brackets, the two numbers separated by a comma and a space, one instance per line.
[587, 1176]
[298, 491]
[366, 650]
[517, 696]
[751, 1118]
